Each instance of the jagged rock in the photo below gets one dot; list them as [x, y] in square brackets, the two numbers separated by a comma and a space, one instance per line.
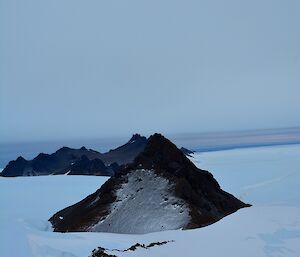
[16, 168]
[85, 166]
[127, 152]
[46, 164]
[160, 190]
[186, 151]
[68, 160]
[101, 252]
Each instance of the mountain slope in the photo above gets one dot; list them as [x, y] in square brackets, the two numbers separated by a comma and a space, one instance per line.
[160, 190]
[127, 152]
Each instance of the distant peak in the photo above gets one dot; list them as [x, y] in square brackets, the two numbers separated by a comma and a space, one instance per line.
[20, 158]
[63, 149]
[136, 137]
[157, 140]
[83, 148]
[157, 136]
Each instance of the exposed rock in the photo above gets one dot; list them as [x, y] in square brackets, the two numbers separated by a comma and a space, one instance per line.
[16, 168]
[100, 251]
[68, 160]
[127, 152]
[46, 164]
[138, 245]
[90, 167]
[187, 152]
[161, 189]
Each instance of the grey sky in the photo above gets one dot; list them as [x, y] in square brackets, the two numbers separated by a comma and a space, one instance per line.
[71, 69]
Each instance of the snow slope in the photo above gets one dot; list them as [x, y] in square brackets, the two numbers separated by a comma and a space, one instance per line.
[143, 215]
[267, 177]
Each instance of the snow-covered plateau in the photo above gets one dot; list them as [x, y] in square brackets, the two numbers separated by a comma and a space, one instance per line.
[267, 177]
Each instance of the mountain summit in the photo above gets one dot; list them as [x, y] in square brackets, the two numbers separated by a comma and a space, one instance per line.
[160, 190]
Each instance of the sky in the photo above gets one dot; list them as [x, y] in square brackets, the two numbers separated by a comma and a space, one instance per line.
[74, 69]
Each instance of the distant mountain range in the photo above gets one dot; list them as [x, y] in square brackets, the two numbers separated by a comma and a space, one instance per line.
[161, 189]
[78, 161]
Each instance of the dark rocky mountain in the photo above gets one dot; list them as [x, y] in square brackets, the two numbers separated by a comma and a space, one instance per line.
[77, 161]
[160, 190]
[85, 166]
[127, 152]
[59, 162]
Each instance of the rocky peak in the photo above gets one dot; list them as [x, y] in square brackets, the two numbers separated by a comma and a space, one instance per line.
[15, 167]
[85, 166]
[160, 183]
[160, 153]
[20, 159]
[137, 137]
[63, 150]
[186, 151]
[126, 153]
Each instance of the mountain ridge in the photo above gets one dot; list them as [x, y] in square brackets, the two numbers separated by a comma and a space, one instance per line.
[68, 161]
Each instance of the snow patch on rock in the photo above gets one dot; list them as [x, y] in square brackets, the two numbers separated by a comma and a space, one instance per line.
[144, 204]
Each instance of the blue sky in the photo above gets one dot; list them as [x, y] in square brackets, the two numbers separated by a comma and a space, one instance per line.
[84, 69]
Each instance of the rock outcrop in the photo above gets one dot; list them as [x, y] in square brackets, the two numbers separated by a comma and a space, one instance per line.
[186, 151]
[126, 153]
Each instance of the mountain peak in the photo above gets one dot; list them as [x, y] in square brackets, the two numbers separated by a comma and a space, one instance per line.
[20, 159]
[160, 190]
[63, 149]
[160, 153]
[136, 137]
